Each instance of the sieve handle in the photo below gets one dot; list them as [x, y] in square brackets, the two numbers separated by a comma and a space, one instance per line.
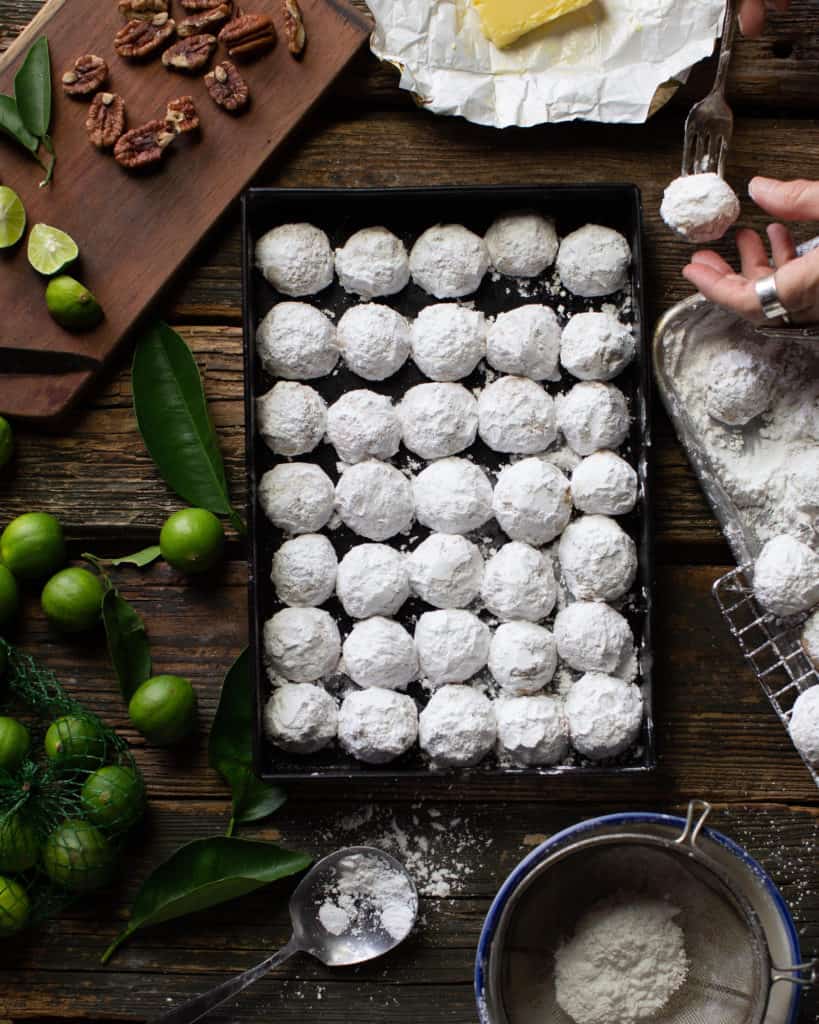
[698, 811]
[795, 975]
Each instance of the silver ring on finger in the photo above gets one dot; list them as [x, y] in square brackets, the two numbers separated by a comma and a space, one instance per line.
[769, 299]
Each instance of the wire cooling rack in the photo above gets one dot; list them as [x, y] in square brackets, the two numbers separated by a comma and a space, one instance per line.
[771, 645]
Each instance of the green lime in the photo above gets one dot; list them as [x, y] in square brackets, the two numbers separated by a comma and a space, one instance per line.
[19, 845]
[6, 441]
[49, 249]
[112, 797]
[77, 856]
[12, 217]
[14, 907]
[14, 744]
[71, 304]
[192, 540]
[9, 596]
[163, 709]
[72, 600]
[32, 546]
[75, 743]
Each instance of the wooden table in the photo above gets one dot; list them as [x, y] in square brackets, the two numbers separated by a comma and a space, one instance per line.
[718, 737]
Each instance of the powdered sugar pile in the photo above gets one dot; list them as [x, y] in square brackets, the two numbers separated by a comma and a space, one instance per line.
[625, 961]
[365, 893]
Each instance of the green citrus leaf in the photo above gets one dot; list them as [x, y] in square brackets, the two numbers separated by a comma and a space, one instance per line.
[12, 125]
[127, 643]
[230, 747]
[32, 88]
[173, 419]
[203, 874]
[139, 558]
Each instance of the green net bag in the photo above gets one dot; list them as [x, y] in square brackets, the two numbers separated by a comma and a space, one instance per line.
[69, 791]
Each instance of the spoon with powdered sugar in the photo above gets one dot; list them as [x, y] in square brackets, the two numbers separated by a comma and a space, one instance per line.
[353, 906]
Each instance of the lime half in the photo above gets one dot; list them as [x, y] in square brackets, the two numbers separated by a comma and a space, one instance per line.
[49, 249]
[12, 217]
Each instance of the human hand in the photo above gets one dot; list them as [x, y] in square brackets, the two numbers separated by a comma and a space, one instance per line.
[797, 277]
[752, 14]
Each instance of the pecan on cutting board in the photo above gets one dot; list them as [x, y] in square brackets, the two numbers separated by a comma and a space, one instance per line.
[248, 35]
[204, 21]
[106, 119]
[227, 88]
[138, 39]
[190, 54]
[86, 75]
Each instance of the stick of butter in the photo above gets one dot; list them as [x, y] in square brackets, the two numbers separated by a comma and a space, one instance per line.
[504, 21]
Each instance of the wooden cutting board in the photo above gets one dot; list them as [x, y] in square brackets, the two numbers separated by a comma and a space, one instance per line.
[135, 231]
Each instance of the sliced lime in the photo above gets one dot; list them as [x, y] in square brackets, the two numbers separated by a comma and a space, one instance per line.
[49, 249]
[12, 217]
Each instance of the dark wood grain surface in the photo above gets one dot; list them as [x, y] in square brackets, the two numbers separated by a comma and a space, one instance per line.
[717, 736]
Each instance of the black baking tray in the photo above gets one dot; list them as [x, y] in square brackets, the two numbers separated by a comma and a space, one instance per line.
[407, 212]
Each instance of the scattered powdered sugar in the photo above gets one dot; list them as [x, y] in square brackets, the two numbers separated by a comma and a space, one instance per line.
[297, 341]
[438, 419]
[374, 340]
[594, 261]
[448, 341]
[363, 425]
[372, 262]
[296, 259]
[525, 341]
[700, 207]
[368, 892]
[624, 962]
[515, 414]
[448, 261]
[521, 244]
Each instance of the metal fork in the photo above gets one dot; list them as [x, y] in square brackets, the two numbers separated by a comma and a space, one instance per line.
[710, 124]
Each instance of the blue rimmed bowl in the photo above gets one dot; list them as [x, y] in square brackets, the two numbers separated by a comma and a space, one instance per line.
[514, 962]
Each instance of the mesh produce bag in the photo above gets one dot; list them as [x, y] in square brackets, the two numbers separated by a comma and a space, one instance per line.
[66, 807]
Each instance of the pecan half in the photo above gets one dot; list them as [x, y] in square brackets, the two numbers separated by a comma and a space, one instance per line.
[200, 5]
[190, 54]
[248, 35]
[182, 115]
[142, 9]
[85, 76]
[294, 27]
[143, 146]
[227, 88]
[106, 119]
[205, 21]
[137, 39]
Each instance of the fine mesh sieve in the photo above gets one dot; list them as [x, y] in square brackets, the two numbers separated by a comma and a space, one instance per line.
[730, 971]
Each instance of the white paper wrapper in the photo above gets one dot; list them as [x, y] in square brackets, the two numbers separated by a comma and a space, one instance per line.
[603, 63]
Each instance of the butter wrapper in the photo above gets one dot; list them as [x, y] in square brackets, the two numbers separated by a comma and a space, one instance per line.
[603, 63]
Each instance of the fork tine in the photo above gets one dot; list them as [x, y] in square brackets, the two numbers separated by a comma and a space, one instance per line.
[723, 155]
[689, 147]
[699, 152]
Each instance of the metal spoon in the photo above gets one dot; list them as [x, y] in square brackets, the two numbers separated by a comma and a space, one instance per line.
[309, 936]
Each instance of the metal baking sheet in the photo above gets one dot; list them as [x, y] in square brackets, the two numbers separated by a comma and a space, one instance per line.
[407, 212]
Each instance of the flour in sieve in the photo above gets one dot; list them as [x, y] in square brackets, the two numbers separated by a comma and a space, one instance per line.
[624, 962]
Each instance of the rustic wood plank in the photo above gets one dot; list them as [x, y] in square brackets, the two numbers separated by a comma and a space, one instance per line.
[717, 734]
[56, 974]
[102, 483]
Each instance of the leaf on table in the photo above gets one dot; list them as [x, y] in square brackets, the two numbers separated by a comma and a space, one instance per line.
[12, 124]
[32, 88]
[127, 643]
[174, 421]
[203, 874]
[230, 747]
[139, 558]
